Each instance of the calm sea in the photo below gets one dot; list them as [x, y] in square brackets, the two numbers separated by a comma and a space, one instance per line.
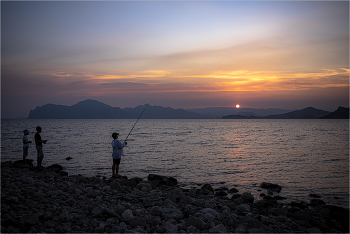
[303, 156]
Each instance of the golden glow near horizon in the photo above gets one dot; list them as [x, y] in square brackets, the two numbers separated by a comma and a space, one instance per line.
[239, 81]
[238, 106]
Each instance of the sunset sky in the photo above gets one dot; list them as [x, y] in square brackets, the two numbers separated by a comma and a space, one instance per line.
[184, 54]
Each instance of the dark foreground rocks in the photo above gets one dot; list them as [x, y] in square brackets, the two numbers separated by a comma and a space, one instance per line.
[48, 200]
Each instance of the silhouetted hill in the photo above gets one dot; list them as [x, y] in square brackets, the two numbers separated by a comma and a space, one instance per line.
[92, 109]
[159, 112]
[307, 113]
[218, 112]
[340, 113]
[88, 109]
[240, 117]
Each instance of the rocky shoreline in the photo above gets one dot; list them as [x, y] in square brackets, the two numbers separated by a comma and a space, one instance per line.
[49, 200]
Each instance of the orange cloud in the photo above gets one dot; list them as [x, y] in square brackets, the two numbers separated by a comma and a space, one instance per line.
[272, 80]
[240, 80]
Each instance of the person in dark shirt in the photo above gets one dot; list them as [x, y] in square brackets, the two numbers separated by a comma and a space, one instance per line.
[39, 145]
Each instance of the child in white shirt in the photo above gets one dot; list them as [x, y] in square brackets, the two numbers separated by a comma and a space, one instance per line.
[25, 146]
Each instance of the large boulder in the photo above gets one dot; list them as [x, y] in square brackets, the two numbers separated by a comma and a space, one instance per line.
[55, 167]
[247, 197]
[163, 180]
[207, 187]
[233, 190]
[272, 187]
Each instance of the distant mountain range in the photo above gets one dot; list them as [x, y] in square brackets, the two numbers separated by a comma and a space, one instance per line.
[307, 113]
[218, 112]
[92, 109]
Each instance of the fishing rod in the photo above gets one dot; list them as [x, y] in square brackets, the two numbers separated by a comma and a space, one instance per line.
[137, 120]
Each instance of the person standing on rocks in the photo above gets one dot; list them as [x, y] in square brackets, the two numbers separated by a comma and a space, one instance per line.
[39, 145]
[117, 154]
[25, 146]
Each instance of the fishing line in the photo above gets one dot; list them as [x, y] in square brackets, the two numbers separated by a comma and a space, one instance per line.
[137, 120]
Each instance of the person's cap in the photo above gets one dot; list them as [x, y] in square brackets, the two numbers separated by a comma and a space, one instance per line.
[115, 134]
[26, 132]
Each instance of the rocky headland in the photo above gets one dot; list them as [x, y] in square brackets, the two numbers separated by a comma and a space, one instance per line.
[49, 200]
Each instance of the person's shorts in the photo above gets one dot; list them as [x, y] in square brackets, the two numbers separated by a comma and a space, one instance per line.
[25, 151]
[39, 149]
[116, 161]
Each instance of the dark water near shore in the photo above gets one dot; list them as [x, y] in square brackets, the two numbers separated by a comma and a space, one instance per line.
[303, 156]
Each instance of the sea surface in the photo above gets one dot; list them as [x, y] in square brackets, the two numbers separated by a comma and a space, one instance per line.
[303, 156]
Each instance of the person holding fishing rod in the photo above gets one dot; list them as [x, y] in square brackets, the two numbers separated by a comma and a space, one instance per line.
[118, 148]
[117, 154]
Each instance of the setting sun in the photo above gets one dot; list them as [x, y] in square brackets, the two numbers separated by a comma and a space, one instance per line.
[238, 106]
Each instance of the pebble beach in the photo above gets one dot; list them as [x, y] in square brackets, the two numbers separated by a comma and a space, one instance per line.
[48, 200]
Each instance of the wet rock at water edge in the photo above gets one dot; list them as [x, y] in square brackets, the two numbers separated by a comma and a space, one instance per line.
[55, 167]
[207, 187]
[63, 173]
[247, 197]
[278, 197]
[317, 202]
[221, 191]
[233, 190]
[234, 196]
[270, 200]
[163, 180]
[272, 187]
